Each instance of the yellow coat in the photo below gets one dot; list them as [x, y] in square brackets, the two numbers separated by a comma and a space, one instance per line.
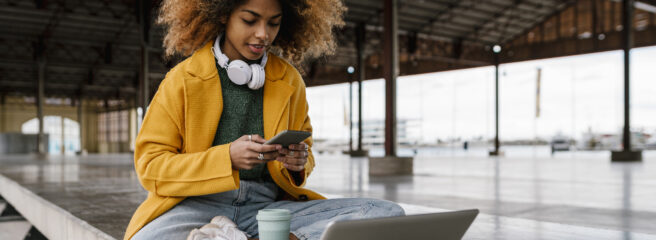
[174, 157]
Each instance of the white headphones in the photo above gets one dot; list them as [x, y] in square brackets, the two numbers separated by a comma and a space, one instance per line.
[239, 71]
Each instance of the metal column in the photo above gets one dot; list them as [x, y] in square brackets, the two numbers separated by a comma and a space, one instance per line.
[108, 129]
[136, 122]
[627, 32]
[144, 27]
[41, 64]
[119, 141]
[63, 135]
[359, 44]
[350, 78]
[80, 122]
[3, 113]
[496, 152]
[390, 72]
[145, 83]
[361, 74]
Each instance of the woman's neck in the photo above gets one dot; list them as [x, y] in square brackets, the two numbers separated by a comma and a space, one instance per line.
[229, 50]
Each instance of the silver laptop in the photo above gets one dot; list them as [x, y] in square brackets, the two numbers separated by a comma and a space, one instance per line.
[445, 225]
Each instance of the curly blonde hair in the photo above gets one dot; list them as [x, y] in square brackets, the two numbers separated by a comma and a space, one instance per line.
[306, 30]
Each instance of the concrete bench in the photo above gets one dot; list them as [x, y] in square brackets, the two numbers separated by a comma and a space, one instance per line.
[72, 197]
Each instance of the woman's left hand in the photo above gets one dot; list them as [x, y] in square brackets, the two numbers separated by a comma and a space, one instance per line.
[294, 157]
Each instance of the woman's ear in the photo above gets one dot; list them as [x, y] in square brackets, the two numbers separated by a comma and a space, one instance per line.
[223, 20]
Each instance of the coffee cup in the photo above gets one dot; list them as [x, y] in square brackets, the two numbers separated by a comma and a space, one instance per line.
[273, 224]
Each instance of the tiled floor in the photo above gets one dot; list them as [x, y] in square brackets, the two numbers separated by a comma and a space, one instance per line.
[522, 196]
[578, 195]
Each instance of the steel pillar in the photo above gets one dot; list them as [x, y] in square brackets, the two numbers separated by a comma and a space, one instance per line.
[360, 31]
[108, 130]
[627, 32]
[3, 113]
[144, 27]
[627, 22]
[41, 65]
[145, 83]
[62, 146]
[390, 72]
[350, 149]
[497, 144]
[80, 122]
[390, 164]
[119, 141]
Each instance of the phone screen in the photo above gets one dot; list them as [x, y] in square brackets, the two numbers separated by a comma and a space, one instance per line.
[287, 137]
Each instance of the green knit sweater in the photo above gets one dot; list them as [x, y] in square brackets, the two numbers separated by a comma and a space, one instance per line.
[242, 115]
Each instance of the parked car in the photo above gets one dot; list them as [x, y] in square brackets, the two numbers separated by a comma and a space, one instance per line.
[560, 144]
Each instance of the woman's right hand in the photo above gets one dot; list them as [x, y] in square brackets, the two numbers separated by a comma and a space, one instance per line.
[245, 151]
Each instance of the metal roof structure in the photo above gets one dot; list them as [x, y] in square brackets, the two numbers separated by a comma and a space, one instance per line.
[90, 49]
[94, 49]
[440, 35]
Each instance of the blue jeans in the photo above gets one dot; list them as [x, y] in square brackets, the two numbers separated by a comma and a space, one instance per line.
[309, 219]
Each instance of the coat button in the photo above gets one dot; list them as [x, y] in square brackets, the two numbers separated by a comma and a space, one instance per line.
[303, 197]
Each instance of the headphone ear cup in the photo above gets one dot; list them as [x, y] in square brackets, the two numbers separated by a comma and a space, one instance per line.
[239, 72]
[258, 77]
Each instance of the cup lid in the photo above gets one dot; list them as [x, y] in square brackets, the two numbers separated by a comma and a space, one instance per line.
[273, 215]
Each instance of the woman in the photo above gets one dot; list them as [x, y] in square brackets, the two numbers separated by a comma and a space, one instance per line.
[200, 151]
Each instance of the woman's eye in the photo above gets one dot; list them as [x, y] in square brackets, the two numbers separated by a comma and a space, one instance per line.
[274, 24]
[248, 22]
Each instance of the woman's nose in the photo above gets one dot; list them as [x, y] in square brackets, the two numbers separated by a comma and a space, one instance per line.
[261, 32]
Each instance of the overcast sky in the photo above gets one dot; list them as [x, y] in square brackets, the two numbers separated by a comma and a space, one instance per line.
[577, 93]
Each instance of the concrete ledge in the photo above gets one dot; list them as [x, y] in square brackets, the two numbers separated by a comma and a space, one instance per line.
[390, 165]
[495, 153]
[361, 153]
[626, 156]
[54, 222]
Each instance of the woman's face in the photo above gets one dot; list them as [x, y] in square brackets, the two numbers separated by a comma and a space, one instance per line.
[251, 28]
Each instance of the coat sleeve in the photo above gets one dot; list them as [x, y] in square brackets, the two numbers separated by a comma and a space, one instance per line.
[162, 167]
[300, 121]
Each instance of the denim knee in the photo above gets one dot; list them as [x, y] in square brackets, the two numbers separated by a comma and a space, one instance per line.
[394, 209]
[386, 208]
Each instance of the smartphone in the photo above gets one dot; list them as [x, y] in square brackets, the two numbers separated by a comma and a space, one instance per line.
[287, 137]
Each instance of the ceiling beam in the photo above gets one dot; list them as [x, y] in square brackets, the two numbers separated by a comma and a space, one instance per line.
[646, 5]
[560, 8]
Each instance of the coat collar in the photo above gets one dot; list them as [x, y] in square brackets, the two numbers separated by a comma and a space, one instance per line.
[205, 101]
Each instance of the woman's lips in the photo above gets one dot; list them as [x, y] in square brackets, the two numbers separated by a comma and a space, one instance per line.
[257, 49]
